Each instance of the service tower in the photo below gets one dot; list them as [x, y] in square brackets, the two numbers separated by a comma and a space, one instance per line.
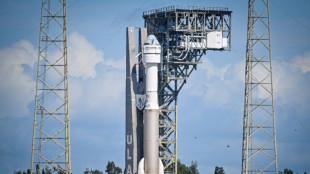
[184, 35]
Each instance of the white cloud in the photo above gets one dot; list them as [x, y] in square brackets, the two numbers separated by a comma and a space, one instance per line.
[83, 57]
[98, 90]
[117, 64]
[106, 90]
[217, 86]
[303, 62]
[18, 84]
[213, 71]
[102, 95]
[291, 84]
[220, 86]
[17, 88]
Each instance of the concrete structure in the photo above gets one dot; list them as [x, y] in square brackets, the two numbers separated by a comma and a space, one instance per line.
[135, 90]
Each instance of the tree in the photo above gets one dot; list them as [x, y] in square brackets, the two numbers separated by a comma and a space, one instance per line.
[288, 171]
[87, 171]
[96, 172]
[219, 170]
[47, 170]
[112, 169]
[192, 169]
[183, 169]
[22, 172]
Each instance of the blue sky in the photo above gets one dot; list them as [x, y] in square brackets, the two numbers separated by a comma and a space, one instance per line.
[210, 105]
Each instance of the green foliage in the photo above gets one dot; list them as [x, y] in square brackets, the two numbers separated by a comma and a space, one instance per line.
[112, 169]
[288, 171]
[87, 171]
[22, 172]
[18, 172]
[192, 169]
[47, 171]
[96, 172]
[183, 169]
[219, 170]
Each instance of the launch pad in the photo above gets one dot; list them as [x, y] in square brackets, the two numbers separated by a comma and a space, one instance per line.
[184, 34]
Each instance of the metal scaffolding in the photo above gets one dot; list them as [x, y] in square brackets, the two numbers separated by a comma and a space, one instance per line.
[51, 127]
[259, 149]
[185, 33]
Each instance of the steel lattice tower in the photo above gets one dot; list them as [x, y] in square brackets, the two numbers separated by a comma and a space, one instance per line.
[259, 150]
[51, 130]
[184, 34]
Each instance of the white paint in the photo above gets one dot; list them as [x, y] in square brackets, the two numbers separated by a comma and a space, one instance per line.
[151, 58]
[141, 167]
[128, 155]
[129, 139]
[215, 39]
[129, 171]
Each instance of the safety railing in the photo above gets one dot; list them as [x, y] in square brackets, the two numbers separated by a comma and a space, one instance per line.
[178, 7]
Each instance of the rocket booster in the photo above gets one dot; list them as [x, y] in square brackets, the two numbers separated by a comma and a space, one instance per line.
[151, 57]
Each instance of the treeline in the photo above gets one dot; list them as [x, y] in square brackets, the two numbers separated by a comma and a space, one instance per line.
[111, 168]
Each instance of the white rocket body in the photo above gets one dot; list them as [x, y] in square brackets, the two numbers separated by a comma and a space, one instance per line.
[151, 58]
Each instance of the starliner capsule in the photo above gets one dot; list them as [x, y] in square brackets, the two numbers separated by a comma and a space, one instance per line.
[151, 164]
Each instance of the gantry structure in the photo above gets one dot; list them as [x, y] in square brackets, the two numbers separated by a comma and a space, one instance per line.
[185, 34]
[51, 126]
[259, 149]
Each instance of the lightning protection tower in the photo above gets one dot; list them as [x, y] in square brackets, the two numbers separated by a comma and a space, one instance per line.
[51, 126]
[259, 150]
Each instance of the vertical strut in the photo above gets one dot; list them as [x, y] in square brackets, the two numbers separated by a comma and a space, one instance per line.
[51, 126]
[259, 150]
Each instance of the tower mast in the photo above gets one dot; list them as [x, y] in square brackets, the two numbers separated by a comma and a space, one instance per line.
[51, 126]
[259, 149]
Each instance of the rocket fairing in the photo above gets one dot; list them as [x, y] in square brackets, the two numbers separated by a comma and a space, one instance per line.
[151, 58]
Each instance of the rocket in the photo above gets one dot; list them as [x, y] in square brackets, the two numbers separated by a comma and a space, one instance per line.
[151, 164]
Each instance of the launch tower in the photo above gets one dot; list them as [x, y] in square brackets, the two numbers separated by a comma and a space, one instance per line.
[185, 34]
